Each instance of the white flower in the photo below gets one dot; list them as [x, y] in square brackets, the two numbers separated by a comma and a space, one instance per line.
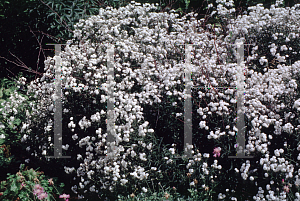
[142, 157]
[133, 154]
[65, 147]
[96, 117]
[288, 128]
[149, 146]
[276, 152]
[263, 60]
[123, 181]
[221, 196]
[24, 138]
[297, 181]
[172, 150]
[144, 189]
[75, 137]
[79, 156]
[297, 104]
[48, 128]
[202, 124]
[206, 155]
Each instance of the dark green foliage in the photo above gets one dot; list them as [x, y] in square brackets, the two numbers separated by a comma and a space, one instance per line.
[30, 24]
[17, 17]
[7, 87]
[12, 151]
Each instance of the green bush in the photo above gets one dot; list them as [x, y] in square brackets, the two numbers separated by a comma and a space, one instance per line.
[14, 111]
[28, 185]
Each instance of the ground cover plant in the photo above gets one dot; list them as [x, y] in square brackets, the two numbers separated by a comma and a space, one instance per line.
[149, 93]
[30, 185]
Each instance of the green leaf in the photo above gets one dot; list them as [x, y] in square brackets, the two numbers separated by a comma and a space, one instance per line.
[14, 187]
[187, 3]
[17, 122]
[7, 92]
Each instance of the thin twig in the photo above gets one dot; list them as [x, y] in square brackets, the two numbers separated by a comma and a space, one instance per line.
[169, 5]
[41, 49]
[9, 61]
[50, 36]
[10, 72]
[20, 63]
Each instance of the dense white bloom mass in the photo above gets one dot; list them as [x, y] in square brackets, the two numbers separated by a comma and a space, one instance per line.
[146, 55]
[148, 42]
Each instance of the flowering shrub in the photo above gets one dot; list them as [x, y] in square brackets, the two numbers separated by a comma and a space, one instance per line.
[149, 73]
[272, 96]
[28, 185]
[14, 108]
[272, 32]
[147, 68]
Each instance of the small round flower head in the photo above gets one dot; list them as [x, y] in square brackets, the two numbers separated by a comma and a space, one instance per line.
[42, 195]
[217, 151]
[65, 196]
[286, 188]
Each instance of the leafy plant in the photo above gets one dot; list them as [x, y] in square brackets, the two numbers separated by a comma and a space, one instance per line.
[14, 108]
[28, 185]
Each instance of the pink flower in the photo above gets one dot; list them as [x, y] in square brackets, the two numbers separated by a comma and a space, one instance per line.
[217, 151]
[286, 188]
[42, 195]
[37, 191]
[50, 181]
[65, 196]
[37, 186]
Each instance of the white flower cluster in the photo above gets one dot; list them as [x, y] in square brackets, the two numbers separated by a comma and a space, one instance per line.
[245, 169]
[215, 165]
[139, 173]
[10, 107]
[260, 20]
[9, 111]
[149, 44]
[84, 123]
